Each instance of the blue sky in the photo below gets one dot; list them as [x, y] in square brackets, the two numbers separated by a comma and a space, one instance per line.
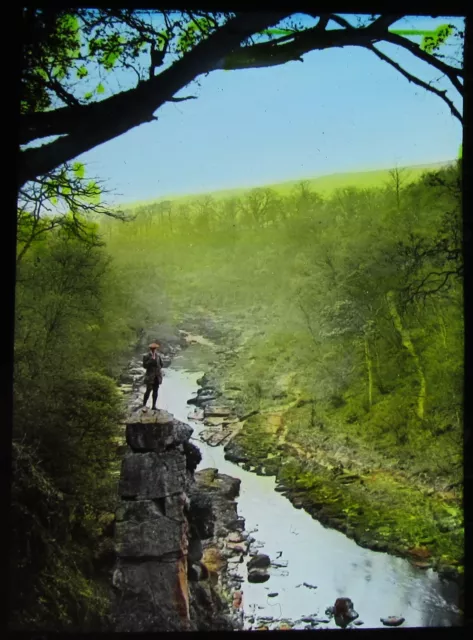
[340, 110]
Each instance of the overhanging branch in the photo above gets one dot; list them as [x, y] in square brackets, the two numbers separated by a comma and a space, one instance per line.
[452, 73]
[418, 81]
[91, 125]
[83, 127]
[182, 99]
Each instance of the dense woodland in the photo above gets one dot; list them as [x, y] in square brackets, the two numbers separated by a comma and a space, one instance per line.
[354, 299]
[358, 295]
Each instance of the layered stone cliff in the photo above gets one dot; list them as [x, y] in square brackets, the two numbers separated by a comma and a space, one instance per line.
[165, 524]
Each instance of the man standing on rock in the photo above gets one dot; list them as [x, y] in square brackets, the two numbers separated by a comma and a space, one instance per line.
[153, 364]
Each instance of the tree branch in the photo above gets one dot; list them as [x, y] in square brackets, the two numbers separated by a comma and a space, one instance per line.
[341, 21]
[85, 126]
[452, 73]
[277, 52]
[64, 95]
[417, 81]
[182, 99]
[91, 125]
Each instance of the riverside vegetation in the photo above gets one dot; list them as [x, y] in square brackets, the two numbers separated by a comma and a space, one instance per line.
[339, 321]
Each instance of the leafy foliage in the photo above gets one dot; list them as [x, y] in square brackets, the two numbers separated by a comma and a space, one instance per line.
[329, 291]
[71, 332]
[65, 199]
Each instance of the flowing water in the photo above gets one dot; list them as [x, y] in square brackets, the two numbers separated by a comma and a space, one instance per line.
[380, 585]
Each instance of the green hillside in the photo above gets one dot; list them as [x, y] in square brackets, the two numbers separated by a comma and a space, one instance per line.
[324, 184]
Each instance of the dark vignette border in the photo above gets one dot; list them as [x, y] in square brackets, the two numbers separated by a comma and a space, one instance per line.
[8, 245]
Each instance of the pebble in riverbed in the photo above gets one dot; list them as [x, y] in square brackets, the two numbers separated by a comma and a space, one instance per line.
[309, 586]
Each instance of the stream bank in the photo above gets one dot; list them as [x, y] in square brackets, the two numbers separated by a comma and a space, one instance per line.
[311, 565]
[336, 562]
[351, 488]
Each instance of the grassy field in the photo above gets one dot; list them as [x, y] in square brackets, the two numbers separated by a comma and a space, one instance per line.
[322, 184]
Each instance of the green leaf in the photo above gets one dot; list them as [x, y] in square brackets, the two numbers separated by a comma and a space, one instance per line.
[93, 192]
[79, 169]
[436, 38]
[82, 72]
[95, 45]
[110, 59]
[100, 88]
[59, 73]
[88, 95]
[432, 38]
[460, 152]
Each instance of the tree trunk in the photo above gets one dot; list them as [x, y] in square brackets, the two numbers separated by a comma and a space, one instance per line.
[407, 343]
[441, 321]
[369, 368]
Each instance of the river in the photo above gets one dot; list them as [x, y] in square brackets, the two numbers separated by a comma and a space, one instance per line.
[379, 585]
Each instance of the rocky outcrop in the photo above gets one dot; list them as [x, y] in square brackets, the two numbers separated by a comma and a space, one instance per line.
[214, 521]
[154, 536]
[150, 578]
[161, 582]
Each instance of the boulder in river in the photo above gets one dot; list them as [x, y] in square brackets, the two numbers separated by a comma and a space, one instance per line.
[258, 575]
[343, 612]
[234, 453]
[260, 561]
[392, 621]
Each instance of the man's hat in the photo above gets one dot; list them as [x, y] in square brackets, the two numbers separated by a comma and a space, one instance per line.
[154, 345]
